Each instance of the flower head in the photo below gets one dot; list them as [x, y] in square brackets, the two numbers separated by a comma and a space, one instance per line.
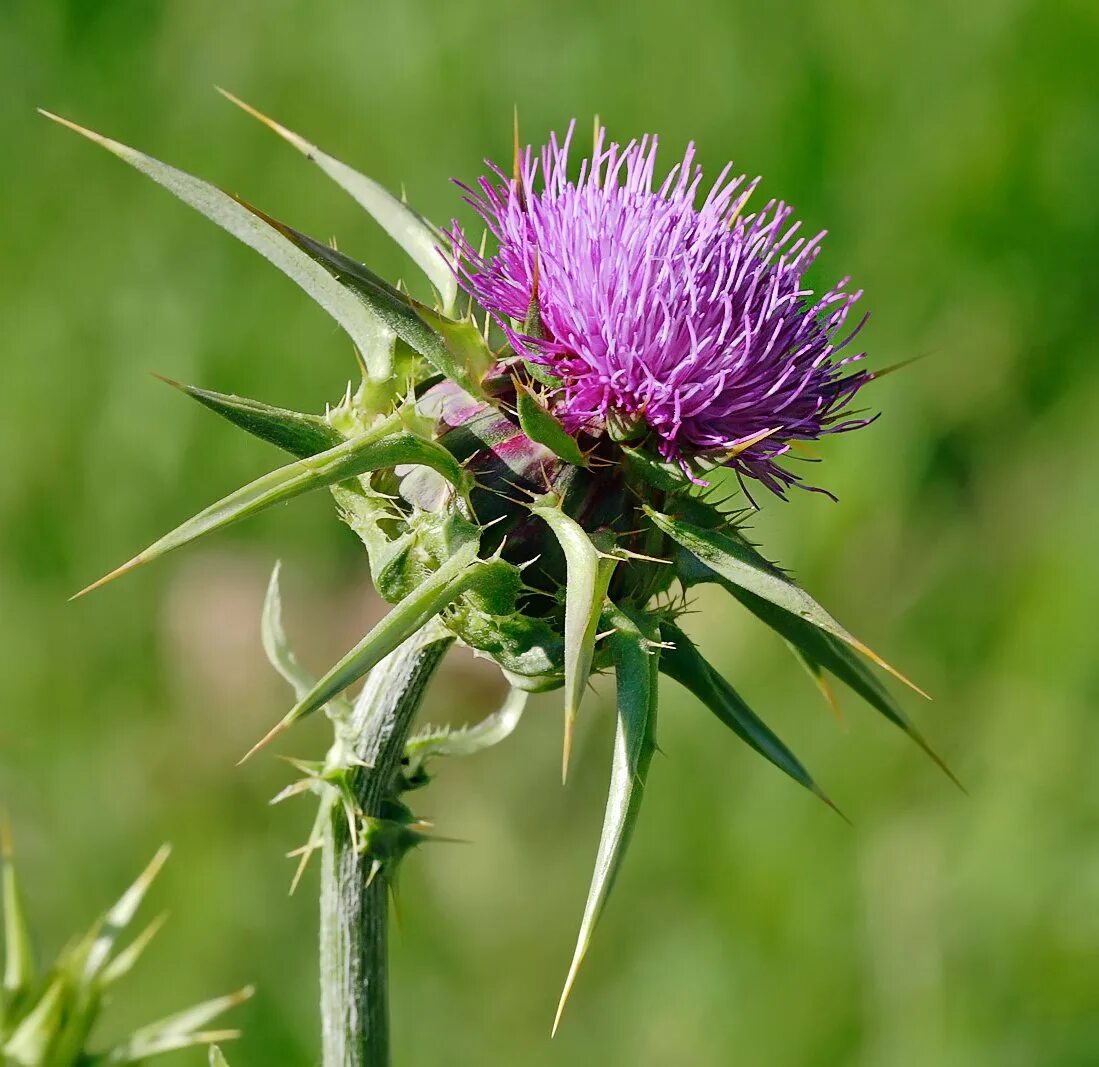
[691, 320]
[549, 538]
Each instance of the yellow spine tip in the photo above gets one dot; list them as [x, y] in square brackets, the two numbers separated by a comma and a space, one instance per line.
[263, 741]
[116, 573]
[566, 748]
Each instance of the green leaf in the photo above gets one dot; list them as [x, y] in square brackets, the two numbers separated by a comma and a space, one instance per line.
[384, 445]
[279, 654]
[127, 959]
[363, 326]
[542, 427]
[659, 473]
[182, 1030]
[418, 237]
[216, 1057]
[636, 663]
[121, 915]
[469, 357]
[819, 678]
[682, 661]
[31, 1040]
[833, 656]
[738, 563]
[589, 575]
[19, 967]
[454, 577]
[299, 434]
[454, 348]
[443, 741]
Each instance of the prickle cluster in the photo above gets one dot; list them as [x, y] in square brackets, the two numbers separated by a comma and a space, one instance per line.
[533, 474]
[47, 1019]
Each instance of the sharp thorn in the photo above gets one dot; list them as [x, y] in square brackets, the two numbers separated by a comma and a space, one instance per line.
[569, 981]
[130, 565]
[935, 757]
[870, 654]
[298, 142]
[270, 736]
[566, 750]
[303, 863]
[875, 375]
[168, 381]
[830, 699]
[828, 800]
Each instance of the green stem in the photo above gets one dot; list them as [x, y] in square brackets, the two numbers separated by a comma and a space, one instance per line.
[354, 961]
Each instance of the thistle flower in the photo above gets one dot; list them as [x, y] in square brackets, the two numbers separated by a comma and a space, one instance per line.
[691, 321]
[532, 489]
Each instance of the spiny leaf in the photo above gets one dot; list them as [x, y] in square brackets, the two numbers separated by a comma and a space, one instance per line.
[120, 916]
[636, 662]
[385, 445]
[279, 654]
[454, 577]
[832, 655]
[658, 472]
[363, 326]
[739, 563]
[589, 575]
[30, 1042]
[542, 427]
[418, 237]
[816, 673]
[469, 356]
[125, 961]
[18, 954]
[682, 661]
[134, 1053]
[299, 434]
[497, 727]
[181, 1030]
[454, 348]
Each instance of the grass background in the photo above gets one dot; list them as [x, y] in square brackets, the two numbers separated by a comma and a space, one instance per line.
[952, 150]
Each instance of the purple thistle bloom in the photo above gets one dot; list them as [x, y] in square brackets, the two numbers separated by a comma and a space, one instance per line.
[694, 321]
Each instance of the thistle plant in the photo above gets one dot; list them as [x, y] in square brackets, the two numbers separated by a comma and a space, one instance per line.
[47, 1019]
[542, 464]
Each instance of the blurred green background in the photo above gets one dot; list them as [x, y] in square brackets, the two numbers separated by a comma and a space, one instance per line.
[953, 152]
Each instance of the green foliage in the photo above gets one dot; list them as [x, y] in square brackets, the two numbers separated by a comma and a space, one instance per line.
[948, 166]
[299, 434]
[636, 662]
[47, 1020]
[724, 551]
[426, 546]
[588, 577]
[419, 238]
[542, 426]
[361, 323]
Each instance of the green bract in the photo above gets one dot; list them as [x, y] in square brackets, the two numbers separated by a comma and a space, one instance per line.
[553, 554]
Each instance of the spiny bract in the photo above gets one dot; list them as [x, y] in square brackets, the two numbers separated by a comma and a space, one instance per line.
[530, 474]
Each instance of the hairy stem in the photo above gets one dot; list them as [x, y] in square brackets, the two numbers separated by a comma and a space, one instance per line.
[354, 960]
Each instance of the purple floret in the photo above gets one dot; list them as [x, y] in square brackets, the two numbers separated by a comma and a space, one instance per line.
[693, 318]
